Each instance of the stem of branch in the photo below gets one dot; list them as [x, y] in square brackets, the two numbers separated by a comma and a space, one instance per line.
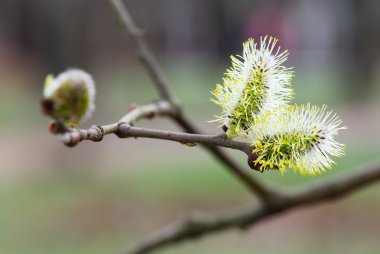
[126, 131]
[144, 52]
[160, 108]
[201, 225]
[96, 133]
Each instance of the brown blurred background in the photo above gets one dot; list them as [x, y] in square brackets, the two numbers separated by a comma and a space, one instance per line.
[103, 197]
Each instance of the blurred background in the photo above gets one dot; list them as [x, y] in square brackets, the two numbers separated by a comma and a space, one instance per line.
[104, 197]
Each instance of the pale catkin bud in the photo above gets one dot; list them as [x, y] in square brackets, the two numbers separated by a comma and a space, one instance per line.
[70, 97]
[298, 137]
[256, 83]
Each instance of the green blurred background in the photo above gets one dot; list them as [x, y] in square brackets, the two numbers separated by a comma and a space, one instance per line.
[104, 197]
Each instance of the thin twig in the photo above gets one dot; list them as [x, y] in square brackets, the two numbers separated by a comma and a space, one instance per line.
[189, 139]
[201, 225]
[144, 52]
[96, 133]
[123, 130]
[159, 108]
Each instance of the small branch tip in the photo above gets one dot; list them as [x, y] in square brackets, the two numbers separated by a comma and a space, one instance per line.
[71, 138]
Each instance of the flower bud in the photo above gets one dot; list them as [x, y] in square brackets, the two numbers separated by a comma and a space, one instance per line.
[69, 98]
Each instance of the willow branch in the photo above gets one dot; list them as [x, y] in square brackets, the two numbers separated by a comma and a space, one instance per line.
[202, 225]
[189, 139]
[160, 108]
[125, 129]
[144, 52]
[96, 133]
[264, 193]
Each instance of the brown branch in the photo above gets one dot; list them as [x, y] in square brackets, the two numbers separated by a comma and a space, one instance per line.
[263, 192]
[201, 225]
[123, 130]
[72, 137]
[160, 108]
[126, 131]
[144, 52]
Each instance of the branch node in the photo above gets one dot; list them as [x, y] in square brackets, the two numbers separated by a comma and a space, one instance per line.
[120, 126]
[95, 133]
[71, 138]
[190, 144]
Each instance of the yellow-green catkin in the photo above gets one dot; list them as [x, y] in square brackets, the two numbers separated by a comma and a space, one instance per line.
[298, 137]
[256, 83]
